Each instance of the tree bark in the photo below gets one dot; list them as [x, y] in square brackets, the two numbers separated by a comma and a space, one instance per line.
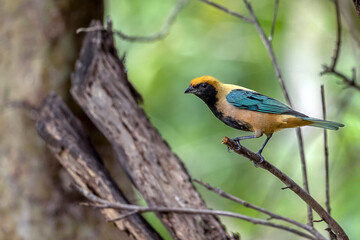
[101, 88]
[69, 143]
[357, 6]
[38, 49]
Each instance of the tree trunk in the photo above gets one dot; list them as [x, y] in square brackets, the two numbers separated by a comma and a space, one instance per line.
[38, 48]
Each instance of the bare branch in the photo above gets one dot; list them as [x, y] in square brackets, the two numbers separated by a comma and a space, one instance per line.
[228, 11]
[157, 36]
[338, 36]
[326, 154]
[326, 158]
[276, 7]
[29, 108]
[350, 82]
[134, 209]
[269, 49]
[290, 184]
[257, 208]
[304, 172]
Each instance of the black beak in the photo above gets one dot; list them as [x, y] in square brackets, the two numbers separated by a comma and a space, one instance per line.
[190, 89]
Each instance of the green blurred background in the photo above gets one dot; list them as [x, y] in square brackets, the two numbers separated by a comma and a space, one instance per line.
[206, 41]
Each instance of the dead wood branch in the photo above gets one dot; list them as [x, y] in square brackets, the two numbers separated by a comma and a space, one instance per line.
[67, 140]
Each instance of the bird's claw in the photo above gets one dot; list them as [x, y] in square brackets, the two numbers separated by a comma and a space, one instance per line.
[238, 143]
[261, 159]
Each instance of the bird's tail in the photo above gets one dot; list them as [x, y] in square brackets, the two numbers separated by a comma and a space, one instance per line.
[323, 123]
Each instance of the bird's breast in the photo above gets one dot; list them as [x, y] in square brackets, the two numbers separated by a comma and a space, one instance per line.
[247, 120]
[232, 116]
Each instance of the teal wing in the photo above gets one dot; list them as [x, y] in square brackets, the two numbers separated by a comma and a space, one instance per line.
[254, 101]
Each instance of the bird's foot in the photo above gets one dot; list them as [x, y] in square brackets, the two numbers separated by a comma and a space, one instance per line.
[261, 159]
[237, 140]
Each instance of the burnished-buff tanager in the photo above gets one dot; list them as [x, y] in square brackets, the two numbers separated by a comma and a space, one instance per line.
[247, 110]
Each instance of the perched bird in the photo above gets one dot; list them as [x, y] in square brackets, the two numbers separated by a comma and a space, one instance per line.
[247, 110]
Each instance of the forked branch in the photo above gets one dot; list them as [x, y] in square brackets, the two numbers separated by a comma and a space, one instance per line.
[290, 184]
[271, 215]
[331, 69]
[135, 209]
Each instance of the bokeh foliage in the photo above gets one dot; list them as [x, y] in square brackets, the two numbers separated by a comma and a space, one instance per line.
[205, 41]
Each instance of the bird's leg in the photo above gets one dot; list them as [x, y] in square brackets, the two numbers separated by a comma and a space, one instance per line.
[238, 139]
[256, 135]
[263, 146]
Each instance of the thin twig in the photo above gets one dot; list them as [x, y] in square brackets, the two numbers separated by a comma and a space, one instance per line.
[304, 173]
[257, 208]
[338, 36]
[326, 154]
[29, 108]
[134, 209]
[326, 158]
[290, 184]
[276, 7]
[350, 82]
[270, 50]
[228, 11]
[157, 36]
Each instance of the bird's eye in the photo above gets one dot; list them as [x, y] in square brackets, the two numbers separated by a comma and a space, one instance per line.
[203, 85]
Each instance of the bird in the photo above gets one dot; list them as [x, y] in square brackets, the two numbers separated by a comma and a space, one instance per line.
[247, 110]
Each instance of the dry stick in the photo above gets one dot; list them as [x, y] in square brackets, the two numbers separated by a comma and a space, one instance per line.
[326, 154]
[350, 82]
[290, 184]
[135, 209]
[326, 157]
[276, 7]
[157, 36]
[228, 11]
[338, 36]
[304, 173]
[257, 208]
[29, 108]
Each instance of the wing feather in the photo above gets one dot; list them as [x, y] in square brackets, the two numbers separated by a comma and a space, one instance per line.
[254, 101]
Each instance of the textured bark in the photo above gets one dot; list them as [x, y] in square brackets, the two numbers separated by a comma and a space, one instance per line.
[101, 88]
[357, 6]
[38, 49]
[68, 141]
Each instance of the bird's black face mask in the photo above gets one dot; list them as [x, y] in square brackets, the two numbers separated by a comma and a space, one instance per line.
[205, 91]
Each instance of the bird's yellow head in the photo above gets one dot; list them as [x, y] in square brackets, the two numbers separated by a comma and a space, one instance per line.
[205, 87]
[205, 79]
